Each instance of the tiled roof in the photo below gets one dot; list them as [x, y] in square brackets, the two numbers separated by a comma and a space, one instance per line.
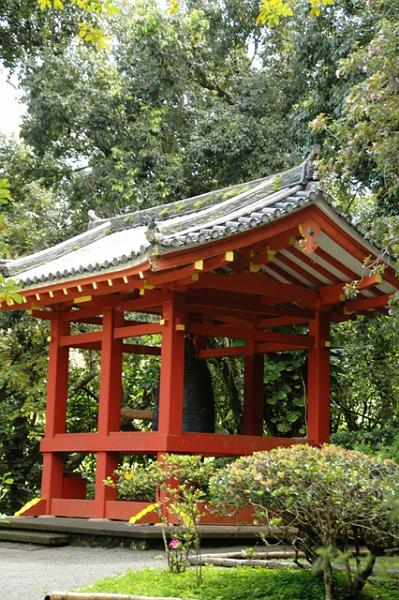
[130, 239]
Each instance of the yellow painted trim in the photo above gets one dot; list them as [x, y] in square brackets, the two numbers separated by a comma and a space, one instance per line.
[110, 282]
[65, 291]
[143, 512]
[125, 279]
[180, 327]
[94, 285]
[229, 256]
[199, 265]
[81, 299]
[27, 506]
[37, 296]
[254, 268]
[195, 277]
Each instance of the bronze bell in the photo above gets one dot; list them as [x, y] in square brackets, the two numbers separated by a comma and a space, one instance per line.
[199, 402]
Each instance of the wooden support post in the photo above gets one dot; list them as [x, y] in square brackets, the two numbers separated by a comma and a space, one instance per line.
[171, 391]
[109, 406]
[52, 478]
[318, 409]
[57, 386]
[57, 395]
[252, 422]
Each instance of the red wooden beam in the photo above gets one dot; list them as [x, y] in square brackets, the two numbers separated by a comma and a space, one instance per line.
[172, 366]
[140, 442]
[185, 273]
[267, 347]
[276, 269]
[361, 304]
[137, 330]
[219, 352]
[318, 409]
[298, 269]
[261, 284]
[209, 444]
[283, 321]
[333, 294]
[109, 408]
[307, 260]
[209, 329]
[140, 349]
[80, 340]
[57, 393]
[151, 299]
[263, 253]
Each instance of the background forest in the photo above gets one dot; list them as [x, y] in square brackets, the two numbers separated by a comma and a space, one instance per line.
[199, 96]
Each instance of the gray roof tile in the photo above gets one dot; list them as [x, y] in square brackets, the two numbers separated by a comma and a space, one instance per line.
[129, 239]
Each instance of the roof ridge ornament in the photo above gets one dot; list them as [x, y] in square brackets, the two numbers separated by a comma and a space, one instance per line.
[153, 234]
[94, 219]
[309, 167]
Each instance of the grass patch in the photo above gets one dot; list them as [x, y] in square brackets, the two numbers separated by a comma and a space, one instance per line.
[241, 583]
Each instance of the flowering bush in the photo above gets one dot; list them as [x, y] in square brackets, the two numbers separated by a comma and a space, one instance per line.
[335, 498]
[180, 485]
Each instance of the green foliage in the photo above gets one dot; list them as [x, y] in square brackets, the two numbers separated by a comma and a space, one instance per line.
[22, 399]
[5, 482]
[285, 393]
[234, 584]
[364, 374]
[361, 138]
[5, 192]
[272, 11]
[382, 442]
[335, 498]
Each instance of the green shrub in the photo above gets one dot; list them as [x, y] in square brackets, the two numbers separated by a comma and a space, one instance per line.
[336, 499]
[379, 442]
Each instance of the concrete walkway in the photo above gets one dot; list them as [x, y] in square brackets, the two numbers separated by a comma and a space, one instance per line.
[29, 572]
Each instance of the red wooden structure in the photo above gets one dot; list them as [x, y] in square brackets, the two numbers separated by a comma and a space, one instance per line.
[243, 263]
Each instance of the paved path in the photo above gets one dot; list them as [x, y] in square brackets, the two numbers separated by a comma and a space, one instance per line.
[29, 572]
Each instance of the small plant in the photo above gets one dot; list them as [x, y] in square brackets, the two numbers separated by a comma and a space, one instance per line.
[180, 485]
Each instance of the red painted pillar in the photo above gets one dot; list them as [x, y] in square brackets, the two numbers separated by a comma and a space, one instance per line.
[171, 391]
[109, 407]
[252, 421]
[57, 395]
[318, 410]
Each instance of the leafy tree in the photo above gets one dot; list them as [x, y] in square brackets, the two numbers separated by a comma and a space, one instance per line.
[361, 138]
[365, 382]
[22, 398]
[29, 26]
